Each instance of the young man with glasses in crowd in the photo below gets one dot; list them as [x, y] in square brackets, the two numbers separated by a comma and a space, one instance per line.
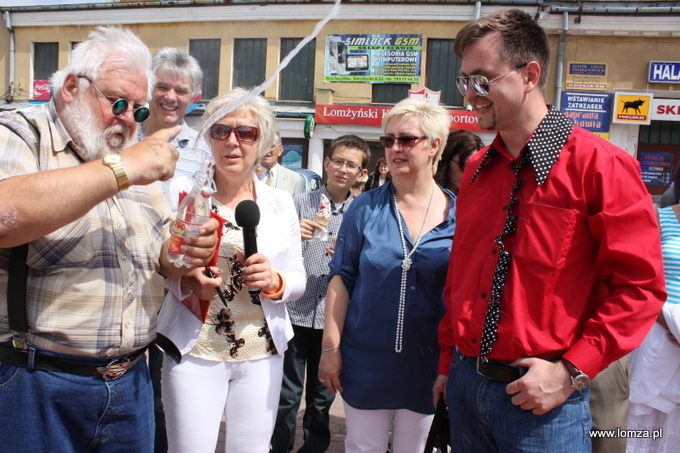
[556, 267]
[80, 189]
[346, 164]
[275, 175]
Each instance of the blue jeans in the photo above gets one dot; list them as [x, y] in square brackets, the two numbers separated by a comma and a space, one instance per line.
[483, 419]
[44, 411]
[304, 348]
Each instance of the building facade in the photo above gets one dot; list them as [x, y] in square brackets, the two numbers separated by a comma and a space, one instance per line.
[372, 53]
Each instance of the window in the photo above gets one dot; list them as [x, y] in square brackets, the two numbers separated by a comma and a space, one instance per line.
[45, 59]
[661, 133]
[207, 53]
[250, 59]
[297, 79]
[442, 69]
[390, 93]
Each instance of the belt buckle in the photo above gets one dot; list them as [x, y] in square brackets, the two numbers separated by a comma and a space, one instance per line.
[479, 368]
[117, 368]
[19, 340]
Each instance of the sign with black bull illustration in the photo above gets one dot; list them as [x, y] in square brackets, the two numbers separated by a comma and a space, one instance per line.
[632, 108]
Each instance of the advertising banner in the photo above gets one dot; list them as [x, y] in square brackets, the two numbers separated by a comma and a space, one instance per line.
[586, 76]
[664, 72]
[369, 115]
[657, 168]
[591, 111]
[373, 58]
[291, 156]
[633, 108]
[41, 90]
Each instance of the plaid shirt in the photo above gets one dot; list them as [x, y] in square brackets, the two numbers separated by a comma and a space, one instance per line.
[307, 311]
[93, 285]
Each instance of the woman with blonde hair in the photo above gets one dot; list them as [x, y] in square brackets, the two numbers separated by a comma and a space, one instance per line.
[232, 363]
[390, 262]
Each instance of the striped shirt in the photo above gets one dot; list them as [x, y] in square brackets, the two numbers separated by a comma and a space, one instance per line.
[670, 246]
[307, 311]
[93, 285]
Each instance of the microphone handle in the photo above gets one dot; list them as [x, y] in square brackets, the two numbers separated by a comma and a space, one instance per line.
[250, 248]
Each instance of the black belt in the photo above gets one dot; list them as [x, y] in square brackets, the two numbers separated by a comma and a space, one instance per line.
[109, 372]
[497, 371]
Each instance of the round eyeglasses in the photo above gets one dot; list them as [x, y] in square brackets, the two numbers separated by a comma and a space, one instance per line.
[479, 83]
[120, 106]
[243, 133]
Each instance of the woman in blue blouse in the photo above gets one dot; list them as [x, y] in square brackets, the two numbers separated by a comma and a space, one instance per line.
[385, 297]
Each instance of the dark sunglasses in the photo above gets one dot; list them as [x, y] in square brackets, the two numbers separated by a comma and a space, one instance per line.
[243, 133]
[480, 84]
[119, 107]
[405, 141]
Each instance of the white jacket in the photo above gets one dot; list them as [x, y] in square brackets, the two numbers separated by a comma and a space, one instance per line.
[278, 237]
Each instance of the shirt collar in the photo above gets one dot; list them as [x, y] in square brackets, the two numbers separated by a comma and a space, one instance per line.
[342, 206]
[543, 147]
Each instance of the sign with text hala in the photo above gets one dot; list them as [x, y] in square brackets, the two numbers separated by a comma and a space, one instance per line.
[373, 58]
[632, 108]
[664, 72]
[369, 115]
[656, 168]
[586, 76]
[591, 111]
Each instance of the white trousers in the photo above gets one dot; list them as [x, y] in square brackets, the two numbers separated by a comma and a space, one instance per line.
[368, 431]
[197, 392]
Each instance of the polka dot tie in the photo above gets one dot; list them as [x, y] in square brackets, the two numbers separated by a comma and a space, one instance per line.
[542, 152]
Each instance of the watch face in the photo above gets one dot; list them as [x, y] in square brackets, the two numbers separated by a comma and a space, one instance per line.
[580, 382]
[112, 159]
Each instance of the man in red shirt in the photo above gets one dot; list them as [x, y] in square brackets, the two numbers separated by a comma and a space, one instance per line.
[556, 264]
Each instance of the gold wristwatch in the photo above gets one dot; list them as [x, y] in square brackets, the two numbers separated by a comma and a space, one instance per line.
[115, 163]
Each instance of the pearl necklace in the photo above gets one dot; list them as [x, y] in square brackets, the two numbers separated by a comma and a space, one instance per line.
[405, 267]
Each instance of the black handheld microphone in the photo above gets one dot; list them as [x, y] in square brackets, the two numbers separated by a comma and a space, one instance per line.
[247, 216]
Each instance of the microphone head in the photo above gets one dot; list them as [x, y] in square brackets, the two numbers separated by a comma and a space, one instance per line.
[247, 214]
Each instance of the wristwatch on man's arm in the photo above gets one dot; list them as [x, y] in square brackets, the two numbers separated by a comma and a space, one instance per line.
[115, 163]
[579, 380]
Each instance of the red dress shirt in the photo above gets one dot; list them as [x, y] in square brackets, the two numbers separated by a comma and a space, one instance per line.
[586, 276]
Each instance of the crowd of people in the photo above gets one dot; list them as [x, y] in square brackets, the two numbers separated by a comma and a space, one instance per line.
[522, 288]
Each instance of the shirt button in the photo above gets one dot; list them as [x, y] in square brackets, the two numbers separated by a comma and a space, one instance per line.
[494, 251]
[505, 208]
[474, 340]
[413, 288]
[483, 295]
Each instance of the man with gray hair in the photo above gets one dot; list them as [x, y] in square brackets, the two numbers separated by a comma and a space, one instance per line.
[274, 175]
[178, 79]
[81, 215]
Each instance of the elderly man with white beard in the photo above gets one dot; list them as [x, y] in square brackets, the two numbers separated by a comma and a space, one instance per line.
[80, 190]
